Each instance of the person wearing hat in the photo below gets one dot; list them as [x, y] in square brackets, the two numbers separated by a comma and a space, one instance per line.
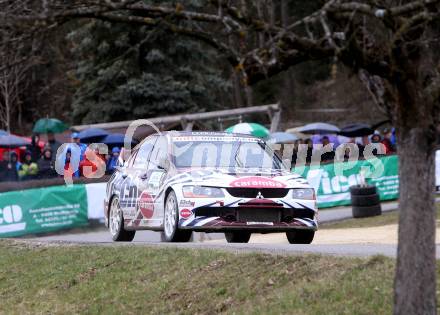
[113, 161]
[82, 146]
[28, 169]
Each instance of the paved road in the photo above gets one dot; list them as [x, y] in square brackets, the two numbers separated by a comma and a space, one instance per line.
[205, 241]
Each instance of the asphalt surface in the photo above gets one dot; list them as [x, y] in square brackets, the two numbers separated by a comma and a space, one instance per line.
[102, 237]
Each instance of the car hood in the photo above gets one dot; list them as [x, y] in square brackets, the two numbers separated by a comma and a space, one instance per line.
[243, 178]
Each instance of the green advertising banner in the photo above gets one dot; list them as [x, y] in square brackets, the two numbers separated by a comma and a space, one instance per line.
[42, 210]
[332, 181]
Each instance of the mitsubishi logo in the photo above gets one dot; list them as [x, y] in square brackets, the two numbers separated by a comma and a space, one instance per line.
[259, 195]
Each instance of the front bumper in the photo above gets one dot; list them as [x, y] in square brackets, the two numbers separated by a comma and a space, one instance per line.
[256, 219]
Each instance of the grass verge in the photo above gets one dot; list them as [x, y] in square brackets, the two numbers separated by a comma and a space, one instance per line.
[134, 279]
[380, 220]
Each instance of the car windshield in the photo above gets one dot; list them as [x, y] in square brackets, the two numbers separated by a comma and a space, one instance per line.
[243, 153]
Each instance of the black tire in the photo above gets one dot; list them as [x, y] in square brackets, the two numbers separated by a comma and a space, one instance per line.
[237, 237]
[366, 211]
[176, 235]
[300, 236]
[121, 234]
[365, 200]
[363, 190]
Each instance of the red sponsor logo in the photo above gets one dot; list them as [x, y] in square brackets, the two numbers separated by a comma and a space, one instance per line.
[256, 182]
[185, 213]
[146, 205]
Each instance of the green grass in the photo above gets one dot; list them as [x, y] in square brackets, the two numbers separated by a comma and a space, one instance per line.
[134, 279]
[384, 219]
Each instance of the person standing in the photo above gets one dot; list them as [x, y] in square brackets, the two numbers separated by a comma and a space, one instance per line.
[28, 169]
[35, 149]
[77, 141]
[46, 167]
[53, 144]
[8, 169]
[113, 161]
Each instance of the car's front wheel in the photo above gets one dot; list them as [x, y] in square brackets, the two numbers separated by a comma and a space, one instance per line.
[300, 236]
[116, 224]
[237, 237]
[171, 232]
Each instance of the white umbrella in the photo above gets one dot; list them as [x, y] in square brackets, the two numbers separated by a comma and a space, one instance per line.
[319, 128]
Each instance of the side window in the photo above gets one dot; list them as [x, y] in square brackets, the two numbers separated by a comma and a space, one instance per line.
[160, 151]
[131, 159]
[141, 160]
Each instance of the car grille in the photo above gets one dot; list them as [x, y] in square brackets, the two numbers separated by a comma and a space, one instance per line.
[258, 215]
[253, 192]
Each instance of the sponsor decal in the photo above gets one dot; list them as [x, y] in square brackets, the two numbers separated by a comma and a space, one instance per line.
[146, 205]
[10, 219]
[186, 203]
[185, 213]
[256, 182]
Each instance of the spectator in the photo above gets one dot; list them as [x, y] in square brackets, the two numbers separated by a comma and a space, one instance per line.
[82, 146]
[386, 141]
[92, 160]
[46, 168]
[328, 155]
[14, 160]
[309, 155]
[28, 169]
[8, 169]
[113, 161]
[67, 169]
[35, 148]
[377, 139]
[53, 144]
[295, 151]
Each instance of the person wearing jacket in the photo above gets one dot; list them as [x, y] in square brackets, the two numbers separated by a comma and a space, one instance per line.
[8, 168]
[28, 169]
[35, 148]
[46, 168]
[113, 160]
[91, 162]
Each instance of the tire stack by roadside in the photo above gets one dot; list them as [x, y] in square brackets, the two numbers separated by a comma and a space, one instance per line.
[365, 201]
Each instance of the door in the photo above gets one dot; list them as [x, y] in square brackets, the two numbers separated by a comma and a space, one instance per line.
[133, 185]
[151, 184]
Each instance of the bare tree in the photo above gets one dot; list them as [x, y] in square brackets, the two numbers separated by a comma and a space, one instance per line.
[389, 44]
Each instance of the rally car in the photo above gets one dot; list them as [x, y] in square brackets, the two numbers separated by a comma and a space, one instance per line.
[180, 182]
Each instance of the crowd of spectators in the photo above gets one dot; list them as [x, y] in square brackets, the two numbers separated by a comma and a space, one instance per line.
[307, 149]
[39, 163]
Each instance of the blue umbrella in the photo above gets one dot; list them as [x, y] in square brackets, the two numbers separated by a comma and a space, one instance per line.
[3, 132]
[11, 141]
[92, 135]
[282, 137]
[116, 139]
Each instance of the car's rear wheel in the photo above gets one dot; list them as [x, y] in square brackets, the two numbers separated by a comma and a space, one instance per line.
[300, 236]
[116, 224]
[171, 232]
[237, 237]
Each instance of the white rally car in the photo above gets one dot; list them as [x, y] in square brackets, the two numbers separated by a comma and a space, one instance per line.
[179, 182]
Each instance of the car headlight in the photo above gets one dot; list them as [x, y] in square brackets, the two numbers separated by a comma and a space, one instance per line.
[303, 193]
[202, 192]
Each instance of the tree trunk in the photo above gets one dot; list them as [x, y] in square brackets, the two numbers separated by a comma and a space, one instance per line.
[415, 285]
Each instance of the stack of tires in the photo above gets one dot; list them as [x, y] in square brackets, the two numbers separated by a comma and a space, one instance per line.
[365, 201]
